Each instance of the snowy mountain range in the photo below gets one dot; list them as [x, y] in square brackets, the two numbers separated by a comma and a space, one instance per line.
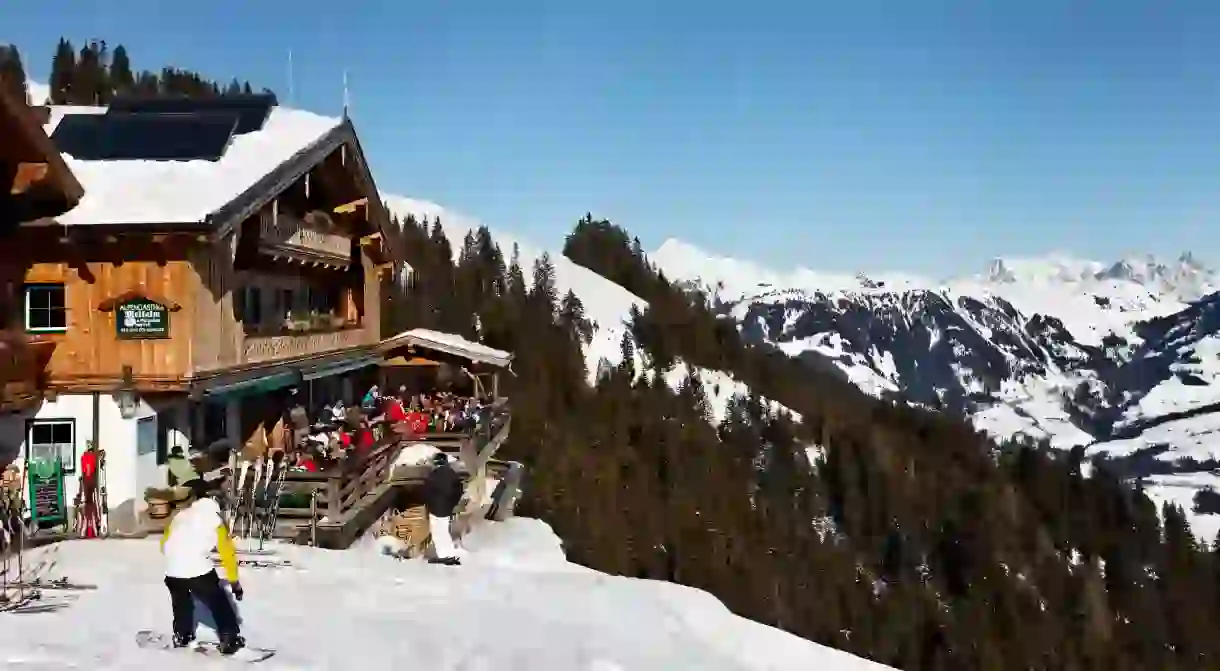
[1120, 358]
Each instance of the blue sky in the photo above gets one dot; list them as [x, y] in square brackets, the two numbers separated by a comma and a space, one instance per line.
[926, 136]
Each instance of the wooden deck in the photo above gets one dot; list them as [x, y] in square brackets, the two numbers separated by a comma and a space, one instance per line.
[344, 502]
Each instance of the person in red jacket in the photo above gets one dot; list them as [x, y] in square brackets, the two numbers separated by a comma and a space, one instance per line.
[396, 413]
[87, 494]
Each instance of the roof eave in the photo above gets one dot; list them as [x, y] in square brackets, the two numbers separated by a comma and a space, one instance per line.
[126, 226]
[275, 182]
[33, 132]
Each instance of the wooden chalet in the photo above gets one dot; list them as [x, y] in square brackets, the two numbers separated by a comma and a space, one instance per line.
[34, 183]
[224, 251]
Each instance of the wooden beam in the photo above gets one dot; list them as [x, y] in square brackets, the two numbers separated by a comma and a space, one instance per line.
[349, 208]
[28, 142]
[29, 174]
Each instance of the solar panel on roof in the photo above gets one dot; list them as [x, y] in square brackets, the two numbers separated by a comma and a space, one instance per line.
[153, 137]
[252, 109]
[77, 134]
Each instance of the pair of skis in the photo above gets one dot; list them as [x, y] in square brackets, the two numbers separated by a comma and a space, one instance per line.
[253, 514]
[13, 594]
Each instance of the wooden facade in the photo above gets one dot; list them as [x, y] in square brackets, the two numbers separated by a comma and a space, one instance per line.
[304, 231]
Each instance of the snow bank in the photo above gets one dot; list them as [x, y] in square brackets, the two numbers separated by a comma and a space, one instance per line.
[415, 454]
[514, 605]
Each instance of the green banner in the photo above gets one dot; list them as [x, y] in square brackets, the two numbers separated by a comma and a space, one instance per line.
[46, 479]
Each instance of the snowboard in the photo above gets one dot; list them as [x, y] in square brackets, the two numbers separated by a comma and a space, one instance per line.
[155, 640]
[15, 603]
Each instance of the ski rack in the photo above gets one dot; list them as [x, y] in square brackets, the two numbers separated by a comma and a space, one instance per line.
[12, 526]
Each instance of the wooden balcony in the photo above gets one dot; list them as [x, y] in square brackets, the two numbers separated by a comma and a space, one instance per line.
[292, 238]
[271, 348]
[22, 367]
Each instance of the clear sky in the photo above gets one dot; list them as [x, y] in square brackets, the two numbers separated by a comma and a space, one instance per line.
[920, 135]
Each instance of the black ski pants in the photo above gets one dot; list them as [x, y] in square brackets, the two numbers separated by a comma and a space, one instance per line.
[211, 593]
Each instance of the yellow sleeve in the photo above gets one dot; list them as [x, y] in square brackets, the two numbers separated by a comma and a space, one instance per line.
[228, 553]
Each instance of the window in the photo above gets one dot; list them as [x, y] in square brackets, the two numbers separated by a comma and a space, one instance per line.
[44, 308]
[286, 300]
[254, 305]
[249, 306]
[322, 300]
[51, 438]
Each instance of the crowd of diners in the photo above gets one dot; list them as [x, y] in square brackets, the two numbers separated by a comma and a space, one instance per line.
[339, 434]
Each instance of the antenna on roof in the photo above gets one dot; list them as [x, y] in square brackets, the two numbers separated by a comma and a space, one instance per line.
[346, 98]
[291, 84]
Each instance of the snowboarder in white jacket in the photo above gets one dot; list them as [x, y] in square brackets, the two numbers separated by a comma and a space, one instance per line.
[187, 545]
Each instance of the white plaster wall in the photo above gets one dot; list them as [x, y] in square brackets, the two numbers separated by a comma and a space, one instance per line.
[118, 437]
[128, 474]
[78, 407]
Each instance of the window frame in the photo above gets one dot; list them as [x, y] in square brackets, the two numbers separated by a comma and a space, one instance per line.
[70, 466]
[25, 298]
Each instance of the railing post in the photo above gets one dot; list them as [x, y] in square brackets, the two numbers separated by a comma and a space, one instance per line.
[334, 488]
[313, 519]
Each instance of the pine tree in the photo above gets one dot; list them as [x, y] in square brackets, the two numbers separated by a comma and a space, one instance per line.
[542, 291]
[122, 79]
[12, 74]
[88, 78]
[147, 84]
[63, 73]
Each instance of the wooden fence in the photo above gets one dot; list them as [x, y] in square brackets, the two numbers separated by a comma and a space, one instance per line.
[343, 499]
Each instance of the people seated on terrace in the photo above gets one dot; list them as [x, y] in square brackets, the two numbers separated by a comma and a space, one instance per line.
[372, 399]
[308, 460]
[335, 412]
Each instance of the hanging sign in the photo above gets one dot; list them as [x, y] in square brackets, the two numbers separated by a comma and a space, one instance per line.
[140, 318]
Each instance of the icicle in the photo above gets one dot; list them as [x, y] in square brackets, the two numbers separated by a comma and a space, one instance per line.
[275, 214]
[343, 154]
[306, 186]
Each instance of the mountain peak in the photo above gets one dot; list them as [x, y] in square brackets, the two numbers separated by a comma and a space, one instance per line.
[1185, 279]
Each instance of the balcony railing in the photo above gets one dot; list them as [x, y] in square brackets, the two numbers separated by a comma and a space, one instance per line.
[282, 234]
[271, 348]
[302, 324]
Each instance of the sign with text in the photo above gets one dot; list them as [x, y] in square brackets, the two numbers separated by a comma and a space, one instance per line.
[141, 318]
[46, 491]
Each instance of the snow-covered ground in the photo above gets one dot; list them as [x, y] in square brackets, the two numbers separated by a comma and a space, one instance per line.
[515, 604]
[1180, 490]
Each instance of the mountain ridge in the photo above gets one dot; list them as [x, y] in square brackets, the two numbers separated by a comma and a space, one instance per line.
[1121, 359]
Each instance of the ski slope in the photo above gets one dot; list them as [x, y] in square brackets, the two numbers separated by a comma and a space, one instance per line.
[516, 604]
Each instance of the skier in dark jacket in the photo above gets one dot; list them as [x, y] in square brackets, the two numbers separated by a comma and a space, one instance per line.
[442, 494]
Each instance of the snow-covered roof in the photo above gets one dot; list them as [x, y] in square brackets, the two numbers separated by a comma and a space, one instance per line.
[449, 344]
[182, 192]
